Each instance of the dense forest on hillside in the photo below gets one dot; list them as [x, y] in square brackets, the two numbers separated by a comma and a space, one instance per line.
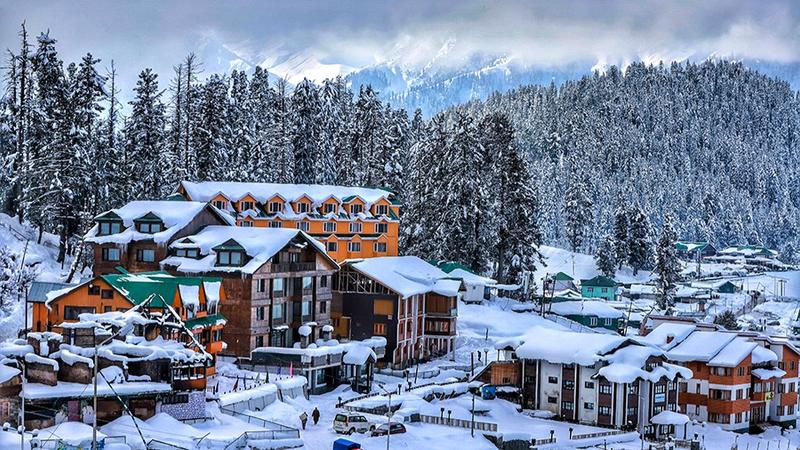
[715, 145]
[483, 183]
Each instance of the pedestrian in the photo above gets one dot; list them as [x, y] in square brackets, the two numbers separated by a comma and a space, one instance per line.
[304, 419]
[315, 415]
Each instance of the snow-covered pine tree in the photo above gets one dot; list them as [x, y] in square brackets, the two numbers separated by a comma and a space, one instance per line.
[15, 279]
[577, 208]
[419, 223]
[260, 102]
[605, 256]
[667, 265]
[620, 236]
[639, 247]
[241, 138]
[333, 115]
[395, 152]
[368, 137]
[279, 136]
[305, 131]
[145, 138]
[211, 131]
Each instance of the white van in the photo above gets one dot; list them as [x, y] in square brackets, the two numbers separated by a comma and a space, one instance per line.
[349, 423]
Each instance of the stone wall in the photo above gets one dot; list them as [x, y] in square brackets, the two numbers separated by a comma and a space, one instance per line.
[41, 373]
[193, 408]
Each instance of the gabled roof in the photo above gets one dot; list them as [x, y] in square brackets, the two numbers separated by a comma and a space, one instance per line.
[205, 190]
[174, 215]
[406, 275]
[260, 244]
[138, 287]
[588, 308]
[599, 281]
[561, 276]
[38, 291]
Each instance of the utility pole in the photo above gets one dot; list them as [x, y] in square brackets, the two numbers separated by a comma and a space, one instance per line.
[472, 426]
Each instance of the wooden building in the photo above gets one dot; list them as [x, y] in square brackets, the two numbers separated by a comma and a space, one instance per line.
[402, 298]
[351, 222]
[137, 235]
[276, 280]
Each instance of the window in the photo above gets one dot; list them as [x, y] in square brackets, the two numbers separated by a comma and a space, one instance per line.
[220, 204]
[382, 307]
[109, 228]
[382, 210]
[331, 246]
[592, 321]
[94, 289]
[323, 281]
[308, 285]
[354, 246]
[111, 254]
[588, 405]
[605, 388]
[633, 389]
[589, 385]
[791, 365]
[631, 411]
[328, 208]
[604, 410]
[604, 290]
[107, 309]
[260, 313]
[148, 227]
[187, 252]
[590, 289]
[568, 384]
[740, 371]
[661, 388]
[106, 294]
[323, 307]
[607, 321]
[303, 207]
[72, 312]
[356, 208]
[380, 247]
[275, 224]
[245, 205]
[175, 399]
[552, 380]
[145, 255]
[568, 406]
[657, 409]
[247, 224]
[306, 308]
[302, 226]
[277, 287]
[229, 258]
[261, 285]
[379, 329]
[552, 400]
[381, 228]
[259, 341]
[275, 207]
[329, 227]
[355, 227]
[277, 311]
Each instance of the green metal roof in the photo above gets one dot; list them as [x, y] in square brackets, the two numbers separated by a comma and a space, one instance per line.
[230, 244]
[207, 321]
[561, 276]
[599, 281]
[149, 217]
[449, 266]
[108, 216]
[138, 287]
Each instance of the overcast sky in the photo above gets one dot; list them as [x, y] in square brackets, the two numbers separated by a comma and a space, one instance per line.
[138, 34]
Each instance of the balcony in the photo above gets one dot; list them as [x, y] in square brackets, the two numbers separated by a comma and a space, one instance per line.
[293, 267]
[442, 312]
[193, 383]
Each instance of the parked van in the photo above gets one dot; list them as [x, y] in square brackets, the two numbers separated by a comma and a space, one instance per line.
[349, 423]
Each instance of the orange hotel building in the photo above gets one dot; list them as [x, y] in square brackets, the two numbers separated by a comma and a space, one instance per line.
[352, 222]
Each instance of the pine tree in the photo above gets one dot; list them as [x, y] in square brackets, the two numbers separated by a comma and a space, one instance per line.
[368, 135]
[145, 138]
[261, 100]
[15, 279]
[621, 236]
[639, 246]
[279, 137]
[306, 131]
[727, 319]
[577, 209]
[605, 256]
[667, 265]
[211, 131]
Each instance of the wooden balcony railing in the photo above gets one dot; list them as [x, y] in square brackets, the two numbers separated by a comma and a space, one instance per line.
[293, 267]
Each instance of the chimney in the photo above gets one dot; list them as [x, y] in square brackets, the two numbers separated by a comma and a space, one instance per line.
[670, 338]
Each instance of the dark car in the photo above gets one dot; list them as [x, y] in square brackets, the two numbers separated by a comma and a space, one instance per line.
[396, 428]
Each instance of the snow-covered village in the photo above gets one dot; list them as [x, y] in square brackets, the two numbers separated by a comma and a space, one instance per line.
[402, 225]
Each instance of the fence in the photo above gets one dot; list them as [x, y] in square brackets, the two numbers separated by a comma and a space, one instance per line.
[459, 423]
[155, 444]
[274, 429]
[597, 435]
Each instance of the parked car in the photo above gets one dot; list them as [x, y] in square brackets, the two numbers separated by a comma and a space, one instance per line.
[394, 428]
[349, 423]
[345, 444]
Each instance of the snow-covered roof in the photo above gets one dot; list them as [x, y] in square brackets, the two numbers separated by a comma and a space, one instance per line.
[567, 347]
[766, 374]
[732, 354]
[692, 292]
[470, 278]
[174, 215]
[701, 346]
[629, 363]
[661, 334]
[643, 289]
[358, 355]
[763, 355]
[204, 191]
[669, 418]
[407, 275]
[8, 372]
[260, 244]
[586, 308]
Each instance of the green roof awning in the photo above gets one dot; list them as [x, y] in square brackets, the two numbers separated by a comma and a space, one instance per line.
[207, 321]
[561, 276]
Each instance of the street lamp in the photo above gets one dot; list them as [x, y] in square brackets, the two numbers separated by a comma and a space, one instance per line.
[388, 414]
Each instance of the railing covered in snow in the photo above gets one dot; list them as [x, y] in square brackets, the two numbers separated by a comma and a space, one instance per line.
[459, 423]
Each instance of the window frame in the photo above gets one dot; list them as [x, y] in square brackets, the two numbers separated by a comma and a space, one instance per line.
[142, 251]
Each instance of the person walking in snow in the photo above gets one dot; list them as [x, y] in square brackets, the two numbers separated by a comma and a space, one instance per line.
[315, 415]
[304, 419]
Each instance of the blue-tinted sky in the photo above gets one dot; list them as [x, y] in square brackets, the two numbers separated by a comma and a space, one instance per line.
[355, 34]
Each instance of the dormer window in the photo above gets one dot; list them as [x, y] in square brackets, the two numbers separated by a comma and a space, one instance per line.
[149, 227]
[106, 228]
[382, 210]
[328, 208]
[275, 207]
[187, 252]
[221, 204]
[355, 227]
[303, 207]
[356, 208]
[229, 258]
[245, 205]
